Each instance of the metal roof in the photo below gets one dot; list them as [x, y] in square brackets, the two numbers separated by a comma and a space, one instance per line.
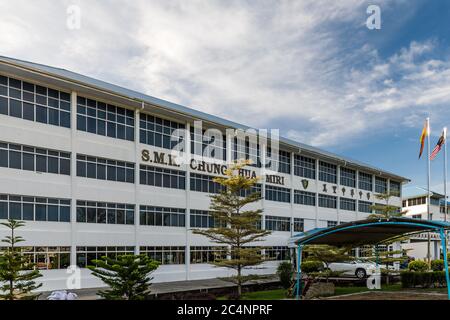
[109, 88]
[368, 231]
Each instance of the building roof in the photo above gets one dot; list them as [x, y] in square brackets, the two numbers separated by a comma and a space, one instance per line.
[108, 88]
[369, 231]
[417, 192]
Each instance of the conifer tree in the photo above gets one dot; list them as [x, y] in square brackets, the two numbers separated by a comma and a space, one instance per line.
[128, 276]
[236, 228]
[16, 271]
[387, 210]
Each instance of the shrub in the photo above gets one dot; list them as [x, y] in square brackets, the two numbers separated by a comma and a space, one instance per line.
[412, 279]
[419, 266]
[312, 266]
[437, 265]
[285, 272]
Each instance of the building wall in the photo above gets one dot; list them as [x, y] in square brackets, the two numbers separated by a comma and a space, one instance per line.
[72, 234]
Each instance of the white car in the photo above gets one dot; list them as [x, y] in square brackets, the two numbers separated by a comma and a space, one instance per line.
[360, 269]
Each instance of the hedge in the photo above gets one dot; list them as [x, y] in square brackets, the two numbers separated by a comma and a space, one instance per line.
[418, 265]
[312, 266]
[437, 265]
[412, 279]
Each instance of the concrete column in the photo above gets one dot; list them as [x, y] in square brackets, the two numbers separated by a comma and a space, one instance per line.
[136, 179]
[317, 194]
[73, 174]
[187, 252]
[292, 193]
[338, 198]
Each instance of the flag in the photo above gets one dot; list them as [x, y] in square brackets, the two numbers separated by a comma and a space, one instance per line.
[422, 137]
[438, 147]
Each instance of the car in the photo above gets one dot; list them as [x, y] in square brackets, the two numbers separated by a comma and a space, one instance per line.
[359, 269]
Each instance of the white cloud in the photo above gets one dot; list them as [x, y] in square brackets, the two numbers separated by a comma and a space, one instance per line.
[289, 62]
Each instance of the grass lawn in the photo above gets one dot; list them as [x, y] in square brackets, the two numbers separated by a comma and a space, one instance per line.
[279, 294]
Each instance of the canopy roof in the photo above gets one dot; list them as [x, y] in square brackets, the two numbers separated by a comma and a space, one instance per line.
[368, 231]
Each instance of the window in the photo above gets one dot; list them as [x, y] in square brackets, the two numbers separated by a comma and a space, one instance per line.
[104, 169]
[107, 213]
[278, 194]
[365, 181]
[348, 177]
[105, 119]
[34, 208]
[299, 225]
[380, 185]
[46, 258]
[327, 172]
[331, 224]
[31, 102]
[364, 206]
[203, 219]
[165, 178]
[275, 223]
[200, 141]
[347, 204]
[416, 216]
[255, 188]
[394, 187]
[204, 183]
[34, 159]
[283, 164]
[304, 167]
[305, 198]
[207, 254]
[86, 255]
[158, 132]
[277, 253]
[160, 216]
[246, 150]
[326, 201]
[165, 255]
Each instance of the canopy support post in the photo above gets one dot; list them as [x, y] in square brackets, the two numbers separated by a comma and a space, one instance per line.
[444, 252]
[299, 272]
[376, 256]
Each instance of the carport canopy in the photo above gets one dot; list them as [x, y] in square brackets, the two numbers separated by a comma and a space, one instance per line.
[368, 232]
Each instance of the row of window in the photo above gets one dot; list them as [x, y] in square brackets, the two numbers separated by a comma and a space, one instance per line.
[34, 208]
[107, 213]
[21, 157]
[48, 258]
[31, 102]
[162, 216]
[105, 169]
[45, 258]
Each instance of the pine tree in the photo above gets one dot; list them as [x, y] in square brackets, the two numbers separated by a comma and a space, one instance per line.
[235, 227]
[128, 276]
[385, 211]
[327, 254]
[16, 271]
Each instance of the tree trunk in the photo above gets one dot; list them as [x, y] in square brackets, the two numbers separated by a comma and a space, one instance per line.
[239, 283]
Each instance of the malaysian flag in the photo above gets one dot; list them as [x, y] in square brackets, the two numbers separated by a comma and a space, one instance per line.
[438, 147]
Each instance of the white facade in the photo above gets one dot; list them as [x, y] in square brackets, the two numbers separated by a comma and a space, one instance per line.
[417, 207]
[72, 234]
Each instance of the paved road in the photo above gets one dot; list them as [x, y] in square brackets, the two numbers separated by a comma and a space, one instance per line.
[172, 287]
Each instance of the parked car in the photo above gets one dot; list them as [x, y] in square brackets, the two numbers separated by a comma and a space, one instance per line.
[359, 269]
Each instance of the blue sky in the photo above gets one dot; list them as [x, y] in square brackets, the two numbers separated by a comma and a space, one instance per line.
[310, 68]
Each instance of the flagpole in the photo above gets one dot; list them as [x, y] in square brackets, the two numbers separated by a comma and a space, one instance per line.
[428, 188]
[445, 174]
[445, 183]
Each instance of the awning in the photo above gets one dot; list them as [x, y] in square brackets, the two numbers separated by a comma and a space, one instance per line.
[366, 232]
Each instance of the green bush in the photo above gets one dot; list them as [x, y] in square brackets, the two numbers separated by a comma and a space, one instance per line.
[437, 265]
[412, 279]
[312, 266]
[285, 273]
[419, 266]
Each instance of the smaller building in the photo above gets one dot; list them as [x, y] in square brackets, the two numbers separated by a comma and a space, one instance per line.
[415, 206]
